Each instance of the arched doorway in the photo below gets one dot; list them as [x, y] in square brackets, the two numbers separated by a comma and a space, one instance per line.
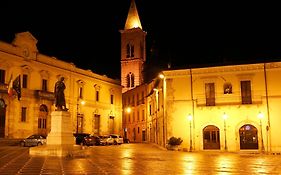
[42, 120]
[211, 137]
[2, 118]
[248, 137]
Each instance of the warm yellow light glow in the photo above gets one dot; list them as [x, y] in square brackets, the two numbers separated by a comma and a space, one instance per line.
[224, 116]
[189, 117]
[189, 164]
[223, 163]
[161, 76]
[135, 24]
[128, 109]
[260, 115]
[83, 102]
[155, 89]
[126, 162]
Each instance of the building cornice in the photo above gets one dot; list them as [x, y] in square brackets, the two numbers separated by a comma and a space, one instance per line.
[222, 69]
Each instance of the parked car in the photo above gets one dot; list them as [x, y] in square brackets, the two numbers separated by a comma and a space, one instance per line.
[34, 140]
[79, 137]
[104, 139]
[92, 140]
[116, 139]
[111, 139]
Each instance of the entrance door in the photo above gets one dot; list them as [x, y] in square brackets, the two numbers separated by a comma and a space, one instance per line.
[2, 118]
[143, 135]
[211, 136]
[248, 137]
[42, 120]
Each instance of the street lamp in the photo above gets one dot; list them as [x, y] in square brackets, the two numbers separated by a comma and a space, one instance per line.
[224, 122]
[157, 108]
[128, 110]
[189, 117]
[161, 76]
[82, 102]
[260, 116]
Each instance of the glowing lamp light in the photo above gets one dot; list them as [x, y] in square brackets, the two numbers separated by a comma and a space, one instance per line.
[161, 76]
[260, 115]
[189, 117]
[224, 116]
[135, 24]
[82, 102]
[128, 110]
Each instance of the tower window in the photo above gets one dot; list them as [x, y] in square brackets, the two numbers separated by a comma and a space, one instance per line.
[130, 80]
[130, 51]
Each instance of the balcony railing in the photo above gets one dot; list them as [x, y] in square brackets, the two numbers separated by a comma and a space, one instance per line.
[227, 99]
[44, 95]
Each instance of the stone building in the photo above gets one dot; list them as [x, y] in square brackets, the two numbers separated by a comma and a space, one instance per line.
[133, 50]
[94, 101]
[230, 108]
[134, 115]
[221, 108]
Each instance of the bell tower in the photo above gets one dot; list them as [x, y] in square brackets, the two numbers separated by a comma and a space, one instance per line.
[133, 49]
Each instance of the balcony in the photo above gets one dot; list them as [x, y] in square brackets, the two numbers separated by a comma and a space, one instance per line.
[44, 95]
[227, 99]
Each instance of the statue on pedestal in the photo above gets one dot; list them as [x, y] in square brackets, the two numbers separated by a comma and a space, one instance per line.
[59, 95]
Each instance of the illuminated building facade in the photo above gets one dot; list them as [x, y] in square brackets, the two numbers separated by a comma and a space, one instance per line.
[227, 108]
[94, 101]
[132, 50]
[134, 114]
[223, 108]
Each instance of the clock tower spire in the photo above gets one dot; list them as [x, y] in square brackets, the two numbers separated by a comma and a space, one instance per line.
[133, 49]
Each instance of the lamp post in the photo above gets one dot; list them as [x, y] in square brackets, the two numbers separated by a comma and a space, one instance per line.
[260, 116]
[224, 122]
[82, 102]
[189, 117]
[161, 76]
[157, 108]
[128, 111]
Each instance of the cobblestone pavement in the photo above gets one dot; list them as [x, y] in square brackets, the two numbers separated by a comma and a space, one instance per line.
[136, 159]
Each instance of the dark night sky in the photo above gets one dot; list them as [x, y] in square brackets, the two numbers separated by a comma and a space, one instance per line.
[189, 34]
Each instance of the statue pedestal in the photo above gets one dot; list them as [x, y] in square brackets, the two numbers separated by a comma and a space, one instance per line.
[60, 141]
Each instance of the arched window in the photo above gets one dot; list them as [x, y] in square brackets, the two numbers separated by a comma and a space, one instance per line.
[130, 80]
[130, 51]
